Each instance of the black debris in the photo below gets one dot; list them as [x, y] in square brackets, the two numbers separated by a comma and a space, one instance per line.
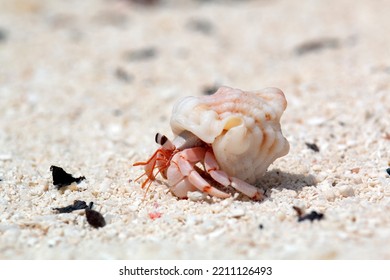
[122, 75]
[313, 146]
[261, 226]
[94, 218]
[200, 25]
[141, 54]
[388, 170]
[313, 215]
[3, 35]
[298, 210]
[145, 2]
[61, 178]
[221, 1]
[317, 45]
[117, 112]
[209, 90]
[77, 205]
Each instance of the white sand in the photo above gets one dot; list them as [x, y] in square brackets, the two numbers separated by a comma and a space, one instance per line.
[62, 103]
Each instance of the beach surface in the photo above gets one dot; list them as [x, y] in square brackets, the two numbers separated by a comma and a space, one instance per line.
[85, 86]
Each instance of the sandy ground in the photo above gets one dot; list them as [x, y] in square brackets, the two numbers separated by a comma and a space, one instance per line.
[85, 85]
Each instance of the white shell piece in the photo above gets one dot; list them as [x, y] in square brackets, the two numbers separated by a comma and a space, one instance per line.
[243, 128]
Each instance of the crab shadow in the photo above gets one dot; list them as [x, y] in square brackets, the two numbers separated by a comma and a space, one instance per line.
[273, 179]
[277, 179]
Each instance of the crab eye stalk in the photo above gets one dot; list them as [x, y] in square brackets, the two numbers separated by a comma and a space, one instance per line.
[164, 141]
[160, 139]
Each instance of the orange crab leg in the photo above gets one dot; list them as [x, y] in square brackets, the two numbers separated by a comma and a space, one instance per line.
[150, 164]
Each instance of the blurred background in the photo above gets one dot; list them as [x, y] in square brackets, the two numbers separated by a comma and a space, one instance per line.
[104, 74]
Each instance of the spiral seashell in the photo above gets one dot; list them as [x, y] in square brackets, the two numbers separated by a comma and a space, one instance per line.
[242, 127]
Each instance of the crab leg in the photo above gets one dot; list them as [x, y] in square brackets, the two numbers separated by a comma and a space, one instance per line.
[202, 185]
[149, 166]
[212, 168]
[247, 189]
[221, 177]
[182, 188]
[182, 163]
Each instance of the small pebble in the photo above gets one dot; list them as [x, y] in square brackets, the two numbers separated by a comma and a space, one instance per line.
[216, 233]
[5, 157]
[192, 220]
[346, 191]
[290, 193]
[281, 216]
[329, 195]
[226, 202]
[321, 176]
[105, 186]
[32, 241]
[196, 196]
[317, 167]
[237, 212]
[316, 121]
[53, 241]
[207, 226]
[217, 208]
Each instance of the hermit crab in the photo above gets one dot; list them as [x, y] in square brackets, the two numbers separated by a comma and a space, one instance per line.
[225, 139]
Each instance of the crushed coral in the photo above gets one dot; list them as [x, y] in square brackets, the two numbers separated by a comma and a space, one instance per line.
[155, 215]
